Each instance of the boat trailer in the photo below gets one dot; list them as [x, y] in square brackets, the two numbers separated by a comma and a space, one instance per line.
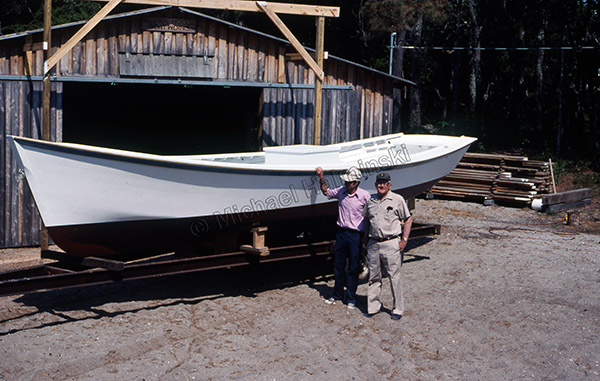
[70, 271]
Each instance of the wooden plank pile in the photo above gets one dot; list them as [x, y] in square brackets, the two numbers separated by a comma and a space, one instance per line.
[499, 179]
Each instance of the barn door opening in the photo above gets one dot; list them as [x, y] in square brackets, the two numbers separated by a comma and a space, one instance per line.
[162, 119]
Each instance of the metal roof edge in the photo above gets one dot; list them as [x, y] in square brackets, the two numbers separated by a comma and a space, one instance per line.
[76, 23]
[393, 77]
[168, 81]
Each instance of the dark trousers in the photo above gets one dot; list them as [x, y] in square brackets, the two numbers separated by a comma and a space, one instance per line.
[346, 250]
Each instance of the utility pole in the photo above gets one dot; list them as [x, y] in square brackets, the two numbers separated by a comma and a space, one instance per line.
[46, 95]
[393, 45]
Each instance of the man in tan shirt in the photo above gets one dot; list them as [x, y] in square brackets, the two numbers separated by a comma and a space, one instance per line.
[388, 223]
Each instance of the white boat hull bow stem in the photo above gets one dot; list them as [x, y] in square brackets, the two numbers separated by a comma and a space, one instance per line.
[102, 201]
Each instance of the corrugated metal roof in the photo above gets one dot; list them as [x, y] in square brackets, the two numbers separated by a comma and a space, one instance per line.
[158, 9]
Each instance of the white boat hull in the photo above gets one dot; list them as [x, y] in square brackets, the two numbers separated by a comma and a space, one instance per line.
[98, 201]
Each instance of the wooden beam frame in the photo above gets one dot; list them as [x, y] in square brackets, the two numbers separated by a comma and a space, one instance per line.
[244, 5]
[240, 5]
[292, 39]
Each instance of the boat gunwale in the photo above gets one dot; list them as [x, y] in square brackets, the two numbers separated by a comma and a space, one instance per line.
[217, 166]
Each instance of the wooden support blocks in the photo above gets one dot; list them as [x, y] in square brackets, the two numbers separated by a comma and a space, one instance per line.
[103, 263]
[91, 262]
[258, 242]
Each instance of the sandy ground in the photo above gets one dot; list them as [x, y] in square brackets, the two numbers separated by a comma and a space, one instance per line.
[501, 294]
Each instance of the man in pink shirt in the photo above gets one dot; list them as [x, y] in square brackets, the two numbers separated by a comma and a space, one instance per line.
[351, 203]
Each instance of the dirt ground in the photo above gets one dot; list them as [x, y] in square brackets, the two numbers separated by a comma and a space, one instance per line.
[502, 293]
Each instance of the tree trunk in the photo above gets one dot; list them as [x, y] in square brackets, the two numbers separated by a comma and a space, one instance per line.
[539, 70]
[517, 86]
[559, 125]
[475, 62]
[594, 120]
[397, 67]
[455, 68]
[414, 120]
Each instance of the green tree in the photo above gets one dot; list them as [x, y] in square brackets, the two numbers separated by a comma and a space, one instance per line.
[18, 15]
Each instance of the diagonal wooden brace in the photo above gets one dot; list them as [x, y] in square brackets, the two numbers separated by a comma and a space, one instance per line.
[49, 64]
[292, 39]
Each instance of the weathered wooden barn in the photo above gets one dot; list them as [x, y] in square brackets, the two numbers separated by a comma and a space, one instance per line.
[172, 80]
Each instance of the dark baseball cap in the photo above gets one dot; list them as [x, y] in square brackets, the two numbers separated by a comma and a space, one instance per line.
[383, 177]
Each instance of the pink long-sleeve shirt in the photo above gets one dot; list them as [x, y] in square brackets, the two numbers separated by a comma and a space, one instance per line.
[350, 207]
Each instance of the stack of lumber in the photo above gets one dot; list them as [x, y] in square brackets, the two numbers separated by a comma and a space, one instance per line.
[500, 179]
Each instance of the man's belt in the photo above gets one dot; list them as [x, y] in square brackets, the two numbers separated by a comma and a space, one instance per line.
[341, 229]
[386, 238]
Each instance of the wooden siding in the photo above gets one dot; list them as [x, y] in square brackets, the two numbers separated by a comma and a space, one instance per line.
[239, 55]
[236, 55]
[19, 219]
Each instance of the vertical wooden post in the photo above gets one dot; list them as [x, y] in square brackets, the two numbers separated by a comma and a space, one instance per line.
[281, 66]
[28, 55]
[318, 82]
[46, 84]
[46, 108]
[46, 95]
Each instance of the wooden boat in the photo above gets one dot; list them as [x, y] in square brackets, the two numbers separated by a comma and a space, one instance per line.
[98, 201]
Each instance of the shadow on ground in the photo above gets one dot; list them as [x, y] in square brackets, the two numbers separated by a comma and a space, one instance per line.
[171, 290]
[187, 289]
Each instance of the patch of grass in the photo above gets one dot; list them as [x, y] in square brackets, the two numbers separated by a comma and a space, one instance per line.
[580, 173]
[560, 168]
[587, 180]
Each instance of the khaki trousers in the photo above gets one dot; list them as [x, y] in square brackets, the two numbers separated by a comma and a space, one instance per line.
[384, 255]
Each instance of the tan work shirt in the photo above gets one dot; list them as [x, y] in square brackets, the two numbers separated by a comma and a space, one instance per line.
[386, 216]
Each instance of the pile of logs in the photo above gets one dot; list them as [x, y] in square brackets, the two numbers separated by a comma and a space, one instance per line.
[495, 179]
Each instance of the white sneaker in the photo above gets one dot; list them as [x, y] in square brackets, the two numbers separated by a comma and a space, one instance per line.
[330, 301]
[351, 306]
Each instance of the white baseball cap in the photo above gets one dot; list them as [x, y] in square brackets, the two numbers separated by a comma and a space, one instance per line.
[353, 174]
